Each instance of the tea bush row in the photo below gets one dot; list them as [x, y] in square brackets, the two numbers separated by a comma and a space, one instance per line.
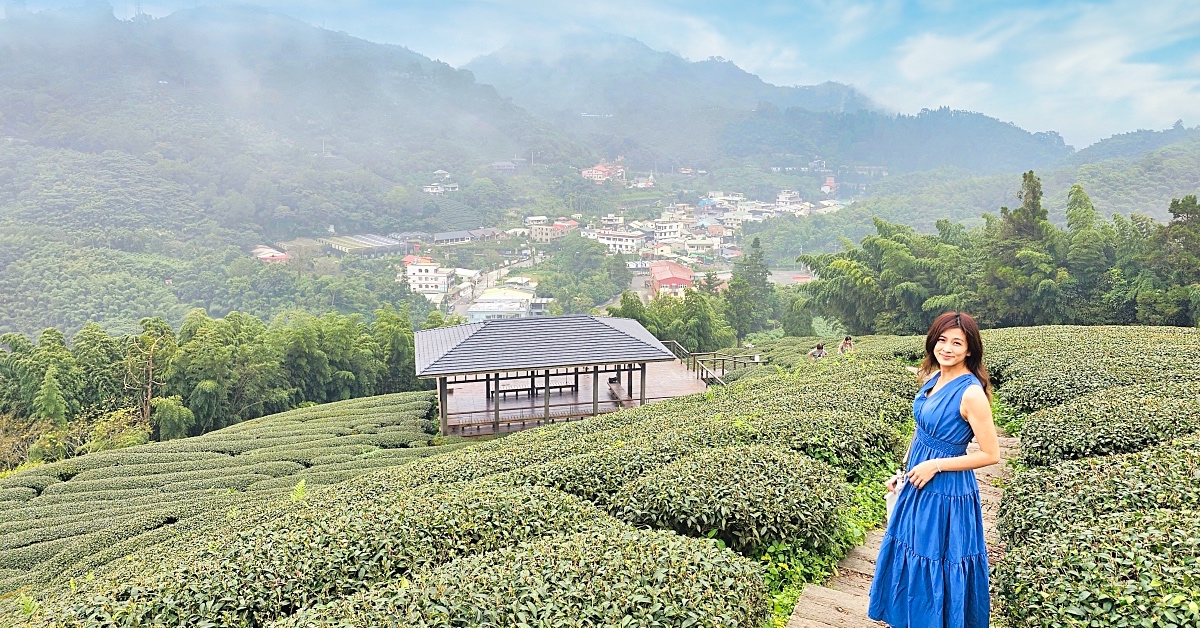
[263, 456]
[1048, 499]
[1102, 520]
[1124, 569]
[605, 576]
[1113, 421]
[331, 548]
[1042, 367]
[630, 443]
[776, 495]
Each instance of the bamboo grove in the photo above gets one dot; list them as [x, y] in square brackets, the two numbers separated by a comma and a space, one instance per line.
[100, 391]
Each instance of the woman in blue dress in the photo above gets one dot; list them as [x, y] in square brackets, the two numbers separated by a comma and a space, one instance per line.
[932, 569]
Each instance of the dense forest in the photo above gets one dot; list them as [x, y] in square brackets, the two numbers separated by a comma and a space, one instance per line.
[99, 391]
[1016, 269]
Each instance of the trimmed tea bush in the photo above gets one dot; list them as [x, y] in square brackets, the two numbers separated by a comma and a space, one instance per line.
[172, 480]
[745, 496]
[330, 549]
[1047, 499]
[1128, 569]
[1117, 420]
[607, 576]
[1041, 367]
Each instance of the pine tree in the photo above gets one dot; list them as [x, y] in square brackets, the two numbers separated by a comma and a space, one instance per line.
[49, 403]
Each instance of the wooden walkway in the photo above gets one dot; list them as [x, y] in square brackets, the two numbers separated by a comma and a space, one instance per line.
[842, 602]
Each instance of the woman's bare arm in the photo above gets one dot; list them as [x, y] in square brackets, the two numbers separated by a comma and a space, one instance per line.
[978, 412]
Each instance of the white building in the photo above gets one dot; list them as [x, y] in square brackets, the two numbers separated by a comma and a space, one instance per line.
[702, 246]
[429, 278]
[536, 220]
[612, 221]
[619, 241]
[667, 229]
[507, 302]
[787, 197]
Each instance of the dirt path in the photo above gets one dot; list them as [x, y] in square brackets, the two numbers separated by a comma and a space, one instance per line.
[842, 602]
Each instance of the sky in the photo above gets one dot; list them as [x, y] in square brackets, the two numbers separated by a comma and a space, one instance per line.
[1087, 70]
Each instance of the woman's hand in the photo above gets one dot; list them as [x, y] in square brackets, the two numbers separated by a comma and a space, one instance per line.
[892, 482]
[921, 474]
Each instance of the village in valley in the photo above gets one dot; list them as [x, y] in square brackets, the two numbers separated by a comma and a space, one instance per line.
[671, 251]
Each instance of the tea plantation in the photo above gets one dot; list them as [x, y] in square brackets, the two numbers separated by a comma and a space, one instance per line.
[69, 517]
[1102, 518]
[705, 510]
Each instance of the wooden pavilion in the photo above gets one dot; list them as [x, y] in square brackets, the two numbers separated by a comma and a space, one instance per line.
[505, 375]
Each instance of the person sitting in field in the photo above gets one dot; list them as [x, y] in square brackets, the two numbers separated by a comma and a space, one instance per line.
[819, 352]
[846, 345]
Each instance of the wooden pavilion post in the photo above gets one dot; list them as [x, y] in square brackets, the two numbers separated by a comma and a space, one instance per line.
[532, 384]
[642, 388]
[496, 406]
[577, 380]
[629, 383]
[547, 400]
[487, 387]
[445, 421]
[595, 390]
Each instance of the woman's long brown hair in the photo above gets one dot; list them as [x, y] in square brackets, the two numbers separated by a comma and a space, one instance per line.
[974, 360]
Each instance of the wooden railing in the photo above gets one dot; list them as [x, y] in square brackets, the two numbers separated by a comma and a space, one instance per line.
[706, 364]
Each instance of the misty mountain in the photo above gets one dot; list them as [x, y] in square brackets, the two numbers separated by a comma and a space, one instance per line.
[1136, 143]
[931, 139]
[140, 159]
[601, 73]
[239, 80]
[624, 98]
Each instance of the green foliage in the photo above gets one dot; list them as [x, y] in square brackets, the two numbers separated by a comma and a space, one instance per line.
[580, 275]
[745, 496]
[1112, 421]
[1017, 269]
[85, 508]
[48, 403]
[279, 556]
[1128, 569]
[1046, 500]
[1047, 366]
[1111, 539]
[695, 322]
[171, 417]
[213, 373]
[332, 546]
[609, 575]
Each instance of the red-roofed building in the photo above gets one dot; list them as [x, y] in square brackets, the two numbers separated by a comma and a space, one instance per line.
[669, 278]
[268, 255]
[546, 233]
[603, 172]
[415, 259]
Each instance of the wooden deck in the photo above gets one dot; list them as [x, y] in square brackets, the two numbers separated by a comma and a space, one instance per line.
[842, 602]
[472, 414]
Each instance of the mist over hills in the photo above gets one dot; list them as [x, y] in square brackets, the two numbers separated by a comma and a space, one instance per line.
[622, 97]
[238, 80]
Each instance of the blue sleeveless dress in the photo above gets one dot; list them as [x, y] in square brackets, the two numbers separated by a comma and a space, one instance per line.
[932, 569]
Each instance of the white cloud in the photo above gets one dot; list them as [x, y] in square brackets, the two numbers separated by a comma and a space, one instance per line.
[929, 56]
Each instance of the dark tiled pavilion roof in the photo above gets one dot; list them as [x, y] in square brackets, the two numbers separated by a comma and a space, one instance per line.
[520, 344]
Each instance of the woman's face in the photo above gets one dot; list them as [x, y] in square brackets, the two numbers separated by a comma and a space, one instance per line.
[951, 348]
